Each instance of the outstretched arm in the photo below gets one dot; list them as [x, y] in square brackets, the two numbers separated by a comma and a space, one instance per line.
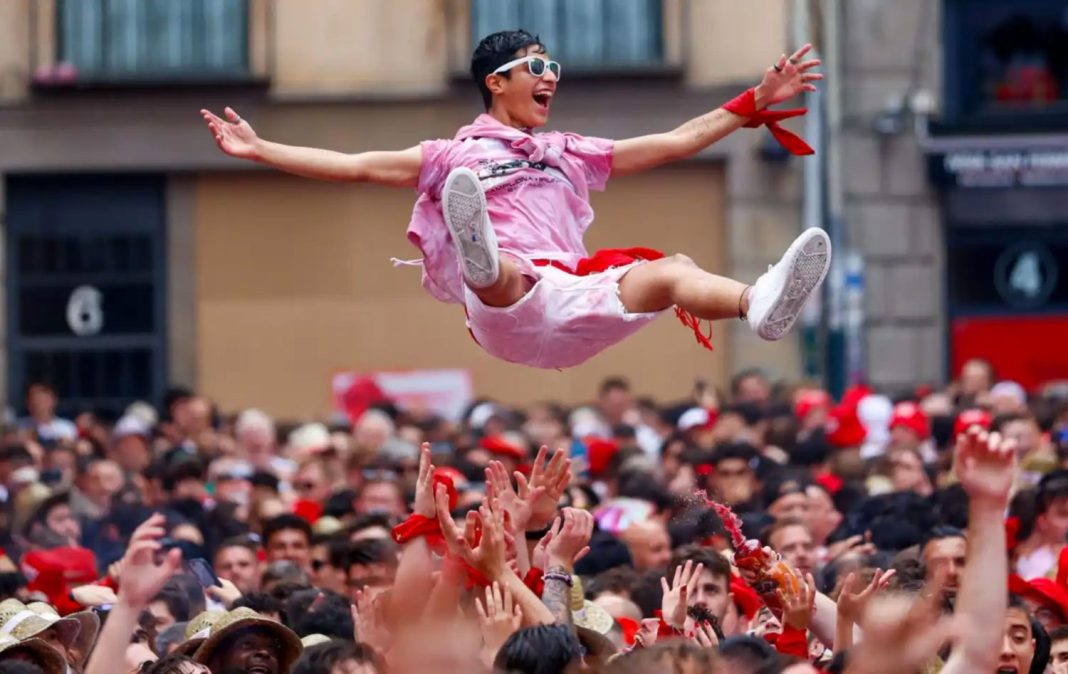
[236, 138]
[784, 80]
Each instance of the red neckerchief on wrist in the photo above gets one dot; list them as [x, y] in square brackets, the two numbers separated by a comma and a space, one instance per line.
[422, 526]
[745, 106]
[534, 581]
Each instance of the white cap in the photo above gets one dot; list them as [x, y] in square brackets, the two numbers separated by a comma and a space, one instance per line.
[1009, 389]
[130, 425]
[874, 413]
[254, 420]
[693, 417]
[309, 437]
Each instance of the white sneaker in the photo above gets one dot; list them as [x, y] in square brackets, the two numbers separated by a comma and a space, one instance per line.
[464, 206]
[777, 297]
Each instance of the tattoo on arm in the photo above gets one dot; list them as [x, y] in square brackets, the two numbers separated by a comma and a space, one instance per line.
[703, 130]
[557, 596]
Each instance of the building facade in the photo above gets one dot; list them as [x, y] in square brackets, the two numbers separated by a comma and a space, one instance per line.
[137, 255]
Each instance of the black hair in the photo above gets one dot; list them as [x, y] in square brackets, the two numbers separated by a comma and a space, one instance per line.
[339, 504]
[542, 649]
[614, 384]
[368, 520]
[615, 580]
[734, 450]
[372, 551]
[285, 522]
[939, 532]
[187, 469]
[319, 612]
[17, 453]
[1059, 634]
[749, 373]
[176, 599]
[19, 667]
[39, 383]
[749, 652]
[262, 478]
[324, 657]
[715, 563]
[260, 602]
[494, 51]
[648, 593]
[168, 664]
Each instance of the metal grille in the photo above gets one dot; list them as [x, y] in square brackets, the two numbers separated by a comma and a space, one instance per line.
[590, 34]
[86, 288]
[153, 39]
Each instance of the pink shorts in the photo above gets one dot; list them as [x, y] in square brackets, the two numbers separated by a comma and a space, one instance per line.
[562, 322]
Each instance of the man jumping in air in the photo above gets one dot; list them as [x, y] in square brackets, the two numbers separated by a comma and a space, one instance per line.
[502, 212]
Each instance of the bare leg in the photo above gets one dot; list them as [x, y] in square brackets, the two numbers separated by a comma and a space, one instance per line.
[677, 281]
[509, 288]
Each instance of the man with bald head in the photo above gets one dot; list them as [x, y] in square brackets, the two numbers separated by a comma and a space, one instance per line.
[649, 545]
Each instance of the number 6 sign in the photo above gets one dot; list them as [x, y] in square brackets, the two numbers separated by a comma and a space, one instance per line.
[85, 316]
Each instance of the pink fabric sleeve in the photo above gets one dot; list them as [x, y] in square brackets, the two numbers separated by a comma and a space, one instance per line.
[435, 166]
[595, 155]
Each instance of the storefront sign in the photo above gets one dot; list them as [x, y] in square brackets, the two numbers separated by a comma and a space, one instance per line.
[1000, 168]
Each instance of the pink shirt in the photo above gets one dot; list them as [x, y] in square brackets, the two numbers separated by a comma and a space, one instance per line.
[537, 193]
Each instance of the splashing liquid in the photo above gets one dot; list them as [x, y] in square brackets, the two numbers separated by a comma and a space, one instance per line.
[772, 573]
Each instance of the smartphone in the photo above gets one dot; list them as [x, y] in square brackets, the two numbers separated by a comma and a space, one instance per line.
[205, 575]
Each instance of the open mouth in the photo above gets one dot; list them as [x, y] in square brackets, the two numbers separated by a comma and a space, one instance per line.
[543, 98]
[1008, 670]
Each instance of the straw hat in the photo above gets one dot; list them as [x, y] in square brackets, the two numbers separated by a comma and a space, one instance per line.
[42, 654]
[18, 621]
[88, 620]
[198, 630]
[315, 640]
[288, 643]
[586, 614]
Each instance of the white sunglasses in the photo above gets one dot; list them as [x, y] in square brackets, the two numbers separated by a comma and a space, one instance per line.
[537, 66]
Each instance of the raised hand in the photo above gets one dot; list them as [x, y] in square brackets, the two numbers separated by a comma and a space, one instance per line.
[705, 636]
[569, 537]
[234, 137]
[424, 485]
[902, 635]
[498, 618]
[226, 594]
[142, 575]
[851, 605]
[798, 603]
[489, 557]
[677, 595]
[546, 486]
[499, 488]
[368, 627]
[787, 78]
[985, 465]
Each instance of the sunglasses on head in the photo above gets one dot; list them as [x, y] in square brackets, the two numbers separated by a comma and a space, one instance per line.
[537, 66]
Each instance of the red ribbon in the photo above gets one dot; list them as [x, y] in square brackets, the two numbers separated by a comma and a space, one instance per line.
[417, 526]
[745, 106]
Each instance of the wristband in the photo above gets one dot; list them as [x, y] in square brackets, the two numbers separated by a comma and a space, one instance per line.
[562, 577]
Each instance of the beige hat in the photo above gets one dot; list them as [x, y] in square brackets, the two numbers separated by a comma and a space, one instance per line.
[289, 646]
[586, 614]
[314, 640]
[88, 620]
[18, 621]
[198, 630]
[46, 657]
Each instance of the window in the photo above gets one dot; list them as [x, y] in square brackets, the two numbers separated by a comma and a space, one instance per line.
[1006, 61]
[583, 34]
[153, 39]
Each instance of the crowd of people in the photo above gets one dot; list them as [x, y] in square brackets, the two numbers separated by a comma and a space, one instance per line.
[764, 528]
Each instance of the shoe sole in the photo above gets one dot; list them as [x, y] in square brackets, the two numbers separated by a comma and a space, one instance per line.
[464, 208]
[809, 259]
